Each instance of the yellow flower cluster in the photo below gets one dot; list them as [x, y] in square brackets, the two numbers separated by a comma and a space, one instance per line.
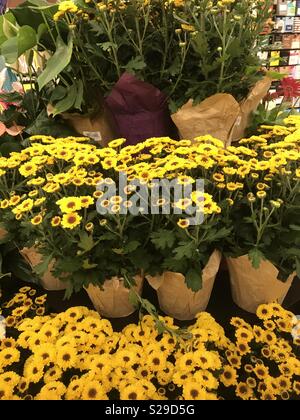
[65, 7]
[135, 364]
[262, 363]
[76, 355]
[67, 171]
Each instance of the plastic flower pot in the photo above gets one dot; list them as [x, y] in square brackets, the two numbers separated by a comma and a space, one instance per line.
[252, 287]
[176, 299]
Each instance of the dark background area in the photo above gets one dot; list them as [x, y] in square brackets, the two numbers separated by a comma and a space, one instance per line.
[221, 305]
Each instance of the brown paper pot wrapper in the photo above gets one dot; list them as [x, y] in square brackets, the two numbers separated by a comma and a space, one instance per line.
[48, 281]
[3, 233]
[176, 299]
[251, 288]
[220, 115]
[249, 105]
[100, 127]
[112, 300]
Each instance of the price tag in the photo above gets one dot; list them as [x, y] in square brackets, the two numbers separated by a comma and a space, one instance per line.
[95, 135]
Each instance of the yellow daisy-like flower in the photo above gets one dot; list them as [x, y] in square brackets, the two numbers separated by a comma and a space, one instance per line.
[229, 376]
[6, 391]
[86, 201]
[116, 143]
[264, 312]
[243, 391]
[56, 221]
[133, 392]
[192, 390]
[93, 391]
[53, 374]
[36, 220]
[261, 371]
[33, 370]
[66, 357]
[71, 220]
[69, 204]
[183, 223]
[8, 356]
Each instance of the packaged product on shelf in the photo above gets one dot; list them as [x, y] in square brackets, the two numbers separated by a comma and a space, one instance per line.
[291, 8]
[282, 7]
[294, 58]
[295, 41]
[297, 24]
[288, 24]
[275, 58]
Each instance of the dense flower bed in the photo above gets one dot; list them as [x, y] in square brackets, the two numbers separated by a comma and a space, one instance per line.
[77, 355]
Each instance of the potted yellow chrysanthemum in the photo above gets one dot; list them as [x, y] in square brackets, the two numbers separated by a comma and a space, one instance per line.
[263, 249]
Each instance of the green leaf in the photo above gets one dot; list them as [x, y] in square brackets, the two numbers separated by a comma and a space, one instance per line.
[295, 227]
[79, 95]
[276, 75]
[87, 265]
[68, 265]
[131, 246]
[193, 279]
[107, 45]
[66, 103]
[163, 239]
[136, 63]
[42, 29]
[9, 27]
[256, 256]
[26, 39]
[58, 62]
[86, 242]
[49, 127]
[133, 299]
[58, 93]
[9, 49]
[42, 267]
[15, 46]
[185, 250]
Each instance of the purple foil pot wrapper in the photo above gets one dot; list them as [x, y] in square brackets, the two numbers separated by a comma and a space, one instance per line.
[140, 110]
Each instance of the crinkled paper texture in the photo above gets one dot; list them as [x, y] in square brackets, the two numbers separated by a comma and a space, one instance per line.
[220, 115]
[252, 287]
[112, 300]
[176, 299]
[48, 281]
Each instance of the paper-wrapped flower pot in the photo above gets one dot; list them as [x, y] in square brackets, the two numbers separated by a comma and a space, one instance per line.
[176, 299]
[252, 287]
[47, 281]
[112, 299]
[3, 233]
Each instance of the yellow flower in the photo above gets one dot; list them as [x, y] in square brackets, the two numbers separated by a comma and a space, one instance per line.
[243, 391]
[264, 312]
[66, 357]
[28, 169]
[8, 356]
[36, 220]
[229, 376]
[244, 334]
[33, 370]
[53, 374]
[6, 391]
[55, 221]
[133, 392]
[183, 223]
[69, 204]
[261, 371]
[86, 201]
[194, 391]
[116, 143]
[71, 220]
